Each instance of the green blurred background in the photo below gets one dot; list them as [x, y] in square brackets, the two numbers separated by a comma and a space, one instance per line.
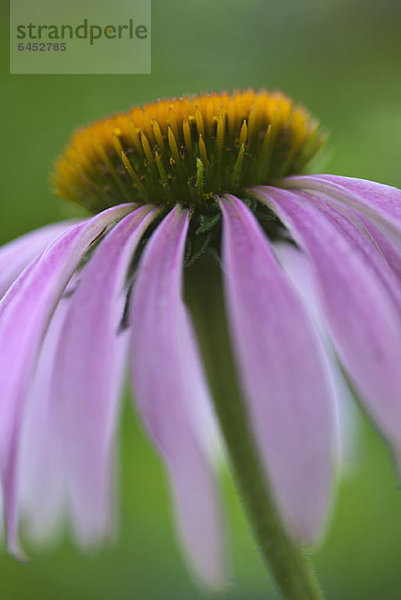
[342, 59]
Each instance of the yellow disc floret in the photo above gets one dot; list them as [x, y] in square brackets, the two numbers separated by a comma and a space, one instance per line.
[187, 150]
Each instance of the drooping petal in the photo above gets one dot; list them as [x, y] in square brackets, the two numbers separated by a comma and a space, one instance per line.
[16, 255]
[288, 395]
[382, 203]
[87, 375]
[391, 252]
[41, 474]
[359, 300]
[352, 225]
[382, 237]
[25, 312]
[299, 270]
[172, 394]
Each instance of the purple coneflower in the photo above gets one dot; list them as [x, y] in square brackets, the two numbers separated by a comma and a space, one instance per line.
[311, 274]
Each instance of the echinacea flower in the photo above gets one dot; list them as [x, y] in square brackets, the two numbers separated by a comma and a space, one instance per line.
[311, 271]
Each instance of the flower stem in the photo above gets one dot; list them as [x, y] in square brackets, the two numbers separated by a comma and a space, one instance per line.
[290, 566]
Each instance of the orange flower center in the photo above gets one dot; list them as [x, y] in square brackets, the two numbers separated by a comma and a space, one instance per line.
[187, 150]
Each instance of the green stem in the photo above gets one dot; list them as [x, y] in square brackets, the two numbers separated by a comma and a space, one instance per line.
[288, 562]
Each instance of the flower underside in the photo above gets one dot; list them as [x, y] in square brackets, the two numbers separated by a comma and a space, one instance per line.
[187, 150]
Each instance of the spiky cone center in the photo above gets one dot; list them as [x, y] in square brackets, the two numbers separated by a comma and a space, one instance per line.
[187, 150]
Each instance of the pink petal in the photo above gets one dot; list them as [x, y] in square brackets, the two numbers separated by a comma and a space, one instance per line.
[87, 376]
[359, 232]
[359, 299]
[16, 255]
[391, 253]
[300, 272]
[382, 203]
[172, 394]
[381, 238]
[42, 494]
[282, 369]
[25, 312]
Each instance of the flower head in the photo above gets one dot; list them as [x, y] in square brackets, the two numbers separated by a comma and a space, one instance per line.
[188, 149]
[311, 273]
